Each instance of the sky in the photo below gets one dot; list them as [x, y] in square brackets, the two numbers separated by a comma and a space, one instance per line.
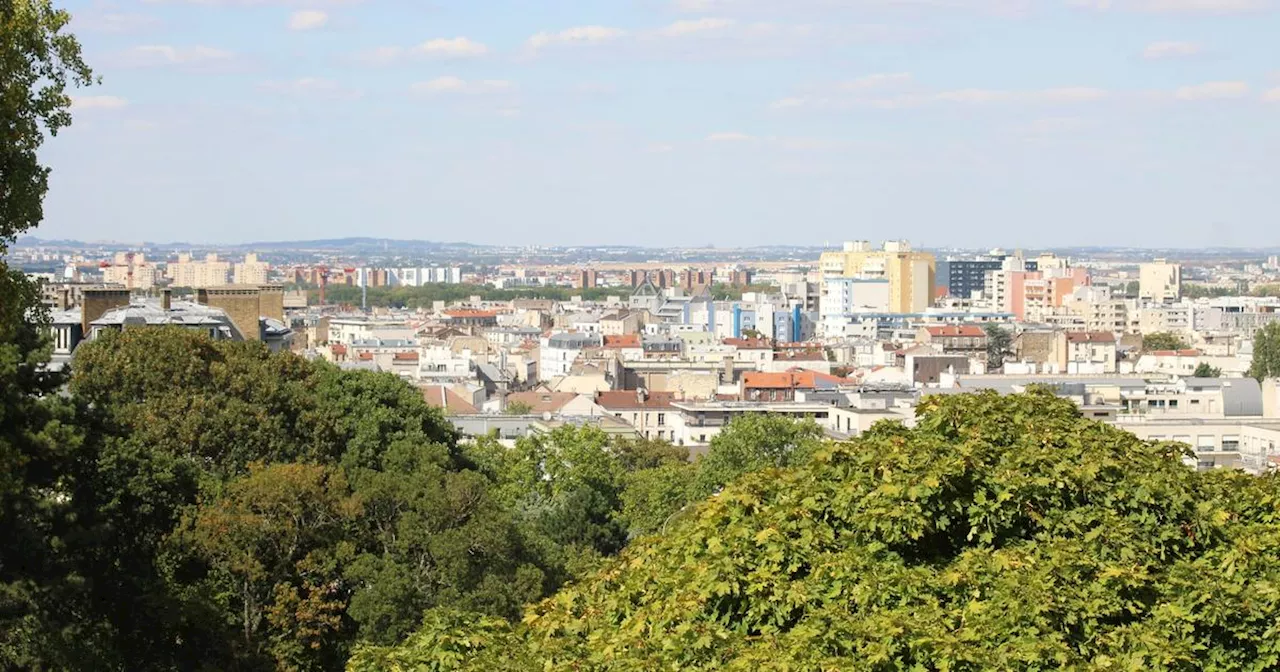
[665, 123]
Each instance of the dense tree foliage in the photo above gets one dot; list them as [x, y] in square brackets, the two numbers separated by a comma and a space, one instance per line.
[1207, 370]
[999, 533]
[1266, 352]
[1164, 340]
[1192, 290]
[39, 436]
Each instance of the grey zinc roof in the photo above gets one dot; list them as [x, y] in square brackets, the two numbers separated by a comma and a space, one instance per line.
[182, 313]
[1241, 397]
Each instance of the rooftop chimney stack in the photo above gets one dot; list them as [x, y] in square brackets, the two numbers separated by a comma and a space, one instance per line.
[166, 299]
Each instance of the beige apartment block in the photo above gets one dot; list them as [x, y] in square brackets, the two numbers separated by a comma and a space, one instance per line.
[212, 272]
[910, 274]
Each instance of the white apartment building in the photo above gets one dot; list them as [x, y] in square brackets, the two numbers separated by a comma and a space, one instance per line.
[1160, 281]
[558, 352]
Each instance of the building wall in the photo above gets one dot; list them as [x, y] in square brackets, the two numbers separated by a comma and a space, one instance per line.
[1160, 281]
[271, 302]
[96, 302]
[251, 271]
[241, 305]
[910, 274]
[212, 272]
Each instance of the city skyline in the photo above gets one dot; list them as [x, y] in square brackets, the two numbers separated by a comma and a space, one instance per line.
[725, 122]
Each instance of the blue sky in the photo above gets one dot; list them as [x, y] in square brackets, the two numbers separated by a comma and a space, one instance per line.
[676, 122]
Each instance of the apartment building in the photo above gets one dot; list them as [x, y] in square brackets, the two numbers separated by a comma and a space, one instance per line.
[251, 271]
[910, 274]
[1160, 281]
[186, 272]
[651, 413]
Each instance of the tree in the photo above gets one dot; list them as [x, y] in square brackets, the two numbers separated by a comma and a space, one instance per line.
[518, 408]
[39, 591]
[38, 62]
[275, 537]
[210, 457]
[1206, 370]
[753, 442]
[1266, 352]
[998, 533]
[1163, 340]
[999, 345]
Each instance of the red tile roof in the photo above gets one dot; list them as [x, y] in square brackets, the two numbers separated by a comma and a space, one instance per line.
[1175, 353]
[338, 349]
[623, 399]
[542, 402]
[461, 313]
[1091, 337]
[966, 330]
[623, 341]
[823, 377]
[366, 356]
[405, 357]
[439, 396]
[778, 381]
[749, 343]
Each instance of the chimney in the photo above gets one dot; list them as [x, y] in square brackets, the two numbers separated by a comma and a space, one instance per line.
[166, 299]
[640, 394]
[96, 302]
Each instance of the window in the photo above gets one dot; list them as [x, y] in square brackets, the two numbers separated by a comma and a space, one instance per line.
[661, 435]
[1173, 403]
[662, 419]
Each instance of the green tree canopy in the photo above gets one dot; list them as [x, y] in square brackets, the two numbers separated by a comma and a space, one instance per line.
[999, 533]
[752, 442]
[1266, 352]
[39, 437]
[1207, 370]
[1164, 340]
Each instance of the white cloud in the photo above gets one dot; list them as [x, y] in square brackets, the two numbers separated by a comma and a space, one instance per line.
[457, 47]
[1175, 6]
[313, 87]
[826, 7]
[381, 55]
[728, 137]
[1053, 126]
[1212, 91]
[794, 101]
[875, 81]
[164, 55]
[115, 23]
[1077, 94]
[308, 19]
[450, 84]
[576, 35]
[693, 26]
[1158, 50]
[98, 102]
[1272, 96]
[870, 91]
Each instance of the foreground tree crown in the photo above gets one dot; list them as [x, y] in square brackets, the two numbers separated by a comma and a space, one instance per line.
[999, 533]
